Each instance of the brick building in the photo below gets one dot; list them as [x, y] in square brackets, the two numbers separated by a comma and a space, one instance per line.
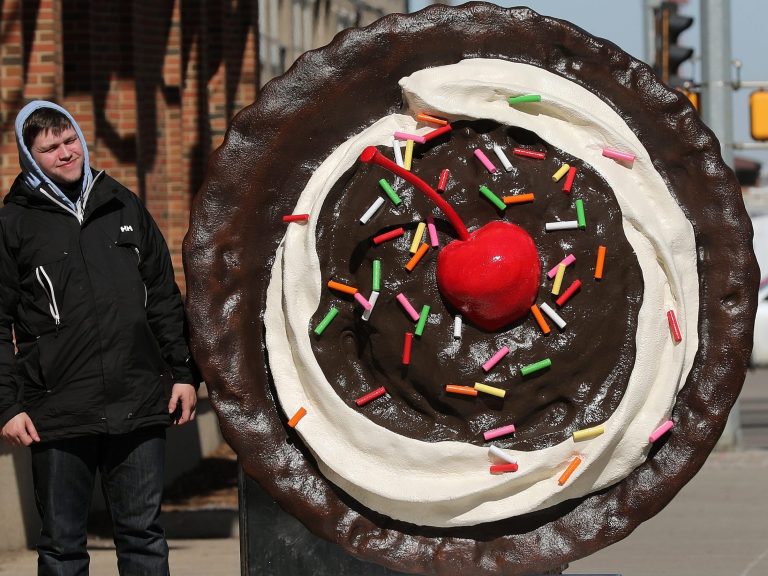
[154, 84]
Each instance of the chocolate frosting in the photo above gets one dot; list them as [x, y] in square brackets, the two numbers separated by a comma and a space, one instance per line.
[269, 153]
[592, 358]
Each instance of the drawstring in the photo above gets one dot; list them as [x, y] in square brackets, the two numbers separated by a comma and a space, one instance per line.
[52, 306]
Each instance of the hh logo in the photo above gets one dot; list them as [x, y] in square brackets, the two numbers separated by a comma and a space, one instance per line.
[126, 228]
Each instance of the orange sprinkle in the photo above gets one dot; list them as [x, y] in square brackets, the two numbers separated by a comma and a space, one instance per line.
[300, 413]
[568, 471]
[466, 390]
[416, 257]
[431, 119]
[518, 198]
[600, 263]
[540, 319]
[341, 287]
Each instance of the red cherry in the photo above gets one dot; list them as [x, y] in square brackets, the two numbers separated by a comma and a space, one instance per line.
[492, 278]
[490, 275]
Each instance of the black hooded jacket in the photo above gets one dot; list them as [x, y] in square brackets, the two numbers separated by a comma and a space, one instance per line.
[97, 316]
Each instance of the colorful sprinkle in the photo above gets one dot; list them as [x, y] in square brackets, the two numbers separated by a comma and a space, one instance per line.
[327, 320]
[529, 153]
[558, 279]
[433, 240]
[421, 117]
[417, 257]
[561, 225]
[378, 393]
[523, 98]
[372, 299]
[300, 413]
[406, 136]
[588, 433]
[398, 153]
[409, 309]
[570, 291]
[372, 210]
[536, 367]
[492, 390]
[376, 281]
[493, 360]
[660, 431]
[600, 262]
[407, 348]
[464, 390]
[422, 320]
[674, 328]
[496, 432]
[363, 301]
[618, 155]
[560, 172]
[502, 158]
[567, 261]
[437, 133]
[345, 288]
[296, 218]
[480, 155]
[518, 198]
[443, 182]
[503, 468]
[569, 180]
[389, 192]
[392, 234]
[552, 315]
[408, 159]
[457, 327]
[568, 471]
[540, 319]
[495, 200]
[499, 454]
[417, 237]
[580, 214]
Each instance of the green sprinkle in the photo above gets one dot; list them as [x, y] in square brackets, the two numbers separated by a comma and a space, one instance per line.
[536, 366]
[422, 320]
[376, 276]
[495, 200]
[390, 192]
[580, 214]
[524, 98]
[327, 320]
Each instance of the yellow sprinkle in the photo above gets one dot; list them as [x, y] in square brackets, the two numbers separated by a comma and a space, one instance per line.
[417, 237]
[493, 391]
[408, 154]
[560, 172]
[558, 279]
[588, 433]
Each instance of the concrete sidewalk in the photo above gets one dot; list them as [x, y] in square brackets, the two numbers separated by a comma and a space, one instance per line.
[716, 526]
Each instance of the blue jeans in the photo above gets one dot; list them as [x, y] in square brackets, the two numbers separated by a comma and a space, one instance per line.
[131, 467]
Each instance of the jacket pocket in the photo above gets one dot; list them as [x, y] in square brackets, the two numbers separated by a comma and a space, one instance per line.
[49, 274]
[30, 373]
[132, 253]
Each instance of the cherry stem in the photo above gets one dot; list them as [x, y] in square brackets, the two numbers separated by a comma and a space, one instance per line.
[372, 156]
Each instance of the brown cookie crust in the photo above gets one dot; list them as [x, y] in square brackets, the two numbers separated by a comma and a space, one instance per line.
[271, 150]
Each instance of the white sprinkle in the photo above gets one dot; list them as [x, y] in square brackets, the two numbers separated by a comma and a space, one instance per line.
[500, 454]
[372, 210]
[554, 316]
[398, 153]
[372, 299]
[457, 326]
[565, 225]
[502, 158]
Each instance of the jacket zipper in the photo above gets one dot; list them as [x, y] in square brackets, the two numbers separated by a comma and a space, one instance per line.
[81, 214]
[52, 305]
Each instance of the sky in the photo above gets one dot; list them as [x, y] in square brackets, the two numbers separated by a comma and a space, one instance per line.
[622, 23]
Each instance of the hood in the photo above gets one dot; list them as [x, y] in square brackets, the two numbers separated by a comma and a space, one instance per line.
[31, 173]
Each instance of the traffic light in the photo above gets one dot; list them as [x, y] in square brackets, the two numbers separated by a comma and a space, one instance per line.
[669, 54]
[758, 114]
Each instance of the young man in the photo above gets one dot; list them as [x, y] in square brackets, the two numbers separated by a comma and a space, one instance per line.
[100, 365]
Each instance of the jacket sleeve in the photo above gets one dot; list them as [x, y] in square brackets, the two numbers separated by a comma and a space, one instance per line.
[10, 405]
[165, 310]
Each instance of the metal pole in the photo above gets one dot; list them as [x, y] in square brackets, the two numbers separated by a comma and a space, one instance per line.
[717, 113]
[649, 30]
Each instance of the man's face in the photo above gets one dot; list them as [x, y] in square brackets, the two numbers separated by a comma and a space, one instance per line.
[60, 157]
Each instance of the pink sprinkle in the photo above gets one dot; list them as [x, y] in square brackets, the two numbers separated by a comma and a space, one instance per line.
[617, 155]
[503, 351]
[432, 232]
[363, 301]
[406, 136]
[496, 432]
[660, 431]
[673, 326]
[410, 310]
[568, 260]
[484, 159]
[371, 396]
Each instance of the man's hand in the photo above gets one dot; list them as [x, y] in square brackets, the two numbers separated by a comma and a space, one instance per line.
[183, 401]
[19, 431]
